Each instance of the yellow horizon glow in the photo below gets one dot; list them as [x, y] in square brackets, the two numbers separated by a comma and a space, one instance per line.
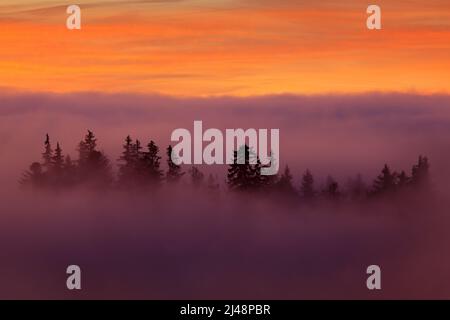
[236, 47]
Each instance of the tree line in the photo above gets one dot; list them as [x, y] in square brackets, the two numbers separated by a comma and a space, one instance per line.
[139, 168]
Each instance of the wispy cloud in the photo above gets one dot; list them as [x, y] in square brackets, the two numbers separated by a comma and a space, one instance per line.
[247, 47]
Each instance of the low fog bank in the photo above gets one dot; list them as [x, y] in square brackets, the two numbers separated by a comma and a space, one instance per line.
[179, 244]
[337, 135]
[186, 245]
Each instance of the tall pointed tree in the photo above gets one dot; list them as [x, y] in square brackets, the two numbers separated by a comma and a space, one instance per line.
[307, 186]
[385, 182]
[34, 177]
[284, 184]
[174, 172]
[331, 190]
[151, 163]
[93, 165]
[48, 153]
[87, 147]
[126, 163]
[58, 160]
[242, 176]
[269, 181]
[420, 173]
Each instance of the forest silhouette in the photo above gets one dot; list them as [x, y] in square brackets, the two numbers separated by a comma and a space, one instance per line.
[140, 169]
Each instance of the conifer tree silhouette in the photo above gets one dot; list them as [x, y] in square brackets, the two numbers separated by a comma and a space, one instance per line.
[151, 171]
[331, 189]
[385, 182]
[137, 155]
[86, 148]
[420, 173]
[174, 172]
[34, 177]
[269, 182]
[127, 166]
[285, 185]
[242, 176]
[141, 169]
[258, 181]
[48, 153]
[307, 186]
[55, 175]
[58, 160]
[94, 167]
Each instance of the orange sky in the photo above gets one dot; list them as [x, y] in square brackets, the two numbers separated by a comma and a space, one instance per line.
[225, 47]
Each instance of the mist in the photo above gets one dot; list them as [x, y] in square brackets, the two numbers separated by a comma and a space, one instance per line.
[179, 243]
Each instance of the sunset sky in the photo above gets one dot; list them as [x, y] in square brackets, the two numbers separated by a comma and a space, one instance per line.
[225, 47]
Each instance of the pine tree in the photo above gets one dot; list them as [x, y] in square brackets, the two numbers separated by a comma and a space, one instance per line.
[93, 166]
[258, 181]
[174, 172]
[58, 160]
[137, 154]
[331, 189]
[55, 175]
[151, 165]
[420, 173]
[48, 153]
[242, 176]
[127, 164]
[34, 177]
[90, 142]
[307, 186]
[385, 182]
[267, 182]
[285, 185]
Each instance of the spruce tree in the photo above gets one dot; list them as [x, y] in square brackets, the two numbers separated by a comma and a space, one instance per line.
[126, 164]
[420, 173]
[242, 175]
[93, 166]
[48, 153]
[137, 155]
[55, 174]
[385, 182]
[58, 160]
[174, 172]
[269, 181]
[285, 185]
[34, 177]
[307, 186]
[151, 165]
[331, 190]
